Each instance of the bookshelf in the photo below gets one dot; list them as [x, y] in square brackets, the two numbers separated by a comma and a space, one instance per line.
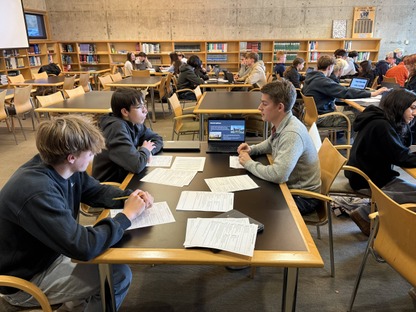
[84, 55]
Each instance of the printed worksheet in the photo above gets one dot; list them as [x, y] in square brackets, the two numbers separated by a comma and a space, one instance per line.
[231, 184]
[189, 163]
[159, 161]
[234, 163]
[170, 177]
[205, 201]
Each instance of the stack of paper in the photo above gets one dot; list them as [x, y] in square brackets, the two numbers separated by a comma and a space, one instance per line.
[231, 184]
[173, 177]
[229, 234]
[205, 201]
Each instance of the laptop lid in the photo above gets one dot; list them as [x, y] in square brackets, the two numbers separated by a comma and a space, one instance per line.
[227, 130]
[157, 69]
[390, 85]
[141, 66]
[310, 69]
[230, 77]
[359, 83]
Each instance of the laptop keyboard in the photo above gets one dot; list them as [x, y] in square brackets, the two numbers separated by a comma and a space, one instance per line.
[222, 148]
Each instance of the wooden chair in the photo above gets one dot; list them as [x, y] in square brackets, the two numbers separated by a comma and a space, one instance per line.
[269, 77]
[28, 287]
[69, 83]
[254, 89]
[4, 115]
[392, 239]
[46, 100]
[74, 92]
[15, 79]
[389, 79]
[311, 116]
[116, 77]
[182, 124]
[197, 92]
[169, 89]
[22, 104]
[331, 162]
[140, 73]
[42, 75]
[104, 80]
[84, 81]
[160, 94]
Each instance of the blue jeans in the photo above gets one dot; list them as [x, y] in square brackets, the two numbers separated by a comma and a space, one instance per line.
[306, 205]
[76, 285]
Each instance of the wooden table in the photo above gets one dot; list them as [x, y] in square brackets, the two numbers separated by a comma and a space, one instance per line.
[285, 241]
[51, 81]
[228, 103]
[140, 82]
[359, 104]
[94, 102]
[94, 72]
[224, 85]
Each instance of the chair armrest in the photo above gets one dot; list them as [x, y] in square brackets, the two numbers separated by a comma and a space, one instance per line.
[310, 194]
[343, 146]
[185, 116]
[185, 90]
[189, 108]
[410, 206]
[356, 170]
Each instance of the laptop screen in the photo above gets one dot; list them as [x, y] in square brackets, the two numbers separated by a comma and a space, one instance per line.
[226, 130]
[358, 83]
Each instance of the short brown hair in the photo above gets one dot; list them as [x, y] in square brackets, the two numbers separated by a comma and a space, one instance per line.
[281, 92]
[252, 55]
[325, 61]
[71, 134]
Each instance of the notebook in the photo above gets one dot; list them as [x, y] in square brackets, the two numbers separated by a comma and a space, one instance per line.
[225, 134]
[359, 83]
[238, 214]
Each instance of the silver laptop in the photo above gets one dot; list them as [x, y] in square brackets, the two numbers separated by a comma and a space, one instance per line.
[225, 134]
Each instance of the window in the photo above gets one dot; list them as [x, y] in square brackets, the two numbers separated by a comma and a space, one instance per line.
[35, 26]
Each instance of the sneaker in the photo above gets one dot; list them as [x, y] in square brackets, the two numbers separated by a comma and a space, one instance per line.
[362, 224]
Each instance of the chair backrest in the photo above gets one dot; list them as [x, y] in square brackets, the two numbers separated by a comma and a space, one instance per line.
[162, 88]
[104, 80]
[140, 73]
[198, 92]
[21, 99]
[169, 84]
[331, 162]
[269, 77]
[116, 77]
[315, 136]
[69, 83]
[74, 92]
[311, 112]
[389, 79]
[84, 81]
[396, 236]
[14, 79]
[175, 82]
[3, 112]
[42, 75]
[177, 110]
[50, 99]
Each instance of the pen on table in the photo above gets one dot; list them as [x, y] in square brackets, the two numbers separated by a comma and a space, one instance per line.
[125, 197]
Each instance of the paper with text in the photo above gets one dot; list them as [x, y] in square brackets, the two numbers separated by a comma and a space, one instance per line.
[189, 163]
[231, 184]
[170, 177]
[234, 163]
[237, 236]
[160, 161]
[205, 201]
[159, 213]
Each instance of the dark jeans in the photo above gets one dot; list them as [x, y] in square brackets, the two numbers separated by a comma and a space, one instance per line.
[187, 96]
[306, 205]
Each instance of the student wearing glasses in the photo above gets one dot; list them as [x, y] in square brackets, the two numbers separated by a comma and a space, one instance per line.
[129, 144]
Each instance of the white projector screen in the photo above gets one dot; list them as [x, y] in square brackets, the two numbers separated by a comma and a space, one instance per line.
[12, 25]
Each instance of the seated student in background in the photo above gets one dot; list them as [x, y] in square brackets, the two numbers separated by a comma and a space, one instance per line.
[40, 233]
[399, 72]
[338, 70]
[383, 66]
[257, 75]
[142, 59]
[295, 160]
[398, 55]
[182, 57]
[128, 66]
[279, 68]
[188, 78]
[201, 72]
[175, 63]
[244, 69]
[410, 63]
[350, 69]
[366, 71]
[383, 140]
[353, 55]
[292, 72]
[129, 144]
[325, 91]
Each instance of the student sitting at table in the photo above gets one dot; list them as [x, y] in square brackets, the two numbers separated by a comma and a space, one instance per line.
[128, 66]
[338, 70]
[292, 72]
[244, 69]
[349, 70]
[188, 78]
[399, 72]
[325, 91]
[295, 159]
[129, 144]
[175, 63]
[383, 140]
[410, 63]
[40, 233]
[141, 59]
[257, 75]
[279, 68]
[366, 71]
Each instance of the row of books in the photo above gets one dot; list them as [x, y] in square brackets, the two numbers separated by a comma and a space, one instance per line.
[151, 48]
[348, 45]
[291, 46]
[3, 80]
[313, 45]
[217, 58]
[35, 61]
[289, 57]
[88, 58]
[217, 47]
[66, 59]
[10, 52]
[155, 60]
[34, 49]
[314, 56]
[67, 48]
[87, 48]
[363, 56]
[250, 46]
[187, 47]
[14, 62]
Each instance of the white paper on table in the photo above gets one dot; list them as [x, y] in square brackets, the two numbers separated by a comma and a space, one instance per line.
[160, 161]
[189, 163]
[234, 163]
[205, 201]
[374, 99]
[231, 184]
[159, 213]
[170, 177]
[222, 233]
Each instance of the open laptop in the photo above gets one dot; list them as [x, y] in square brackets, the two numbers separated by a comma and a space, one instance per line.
[225, 134]
[141, 66]
[157, 69]
[309, 69]
[359, 83]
